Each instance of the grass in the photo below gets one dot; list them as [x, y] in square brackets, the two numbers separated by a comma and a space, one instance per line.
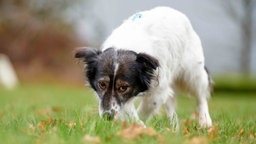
[43, 113]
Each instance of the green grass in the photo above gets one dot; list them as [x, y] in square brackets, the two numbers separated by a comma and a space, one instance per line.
[62, 114]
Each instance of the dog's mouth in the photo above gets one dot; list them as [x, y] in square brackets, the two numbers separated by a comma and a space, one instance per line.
[109, 115]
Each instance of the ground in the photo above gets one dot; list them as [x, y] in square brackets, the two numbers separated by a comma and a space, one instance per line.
[50, 113]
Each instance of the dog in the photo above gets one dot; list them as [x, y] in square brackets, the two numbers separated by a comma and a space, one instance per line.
[153, 55]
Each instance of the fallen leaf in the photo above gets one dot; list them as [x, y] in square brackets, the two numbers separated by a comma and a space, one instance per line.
[52, 122]
[187, 122]
[56, 109]
[136, 130]
[124, 125]
[42, 125]
[213, 132]
[186, 131]
[91, 139]
[241, 132]
[197, 140]
[251, 136]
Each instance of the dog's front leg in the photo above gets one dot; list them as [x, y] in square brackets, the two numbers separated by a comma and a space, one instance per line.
[130, 113]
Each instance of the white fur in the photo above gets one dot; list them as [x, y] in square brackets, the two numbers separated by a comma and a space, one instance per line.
[167, 35]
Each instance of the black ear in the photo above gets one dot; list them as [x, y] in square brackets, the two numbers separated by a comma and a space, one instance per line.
[90, 57]
[147, 61]
[87, 53]
[147, 65]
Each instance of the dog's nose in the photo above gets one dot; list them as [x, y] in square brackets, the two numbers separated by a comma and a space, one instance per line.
[109, 115]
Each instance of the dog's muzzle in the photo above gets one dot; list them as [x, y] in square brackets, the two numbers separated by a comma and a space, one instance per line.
[109, 115]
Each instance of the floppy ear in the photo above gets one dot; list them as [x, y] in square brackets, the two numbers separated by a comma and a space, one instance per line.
[90, 57]
[87, 53]
[147, 60]
[147, 65]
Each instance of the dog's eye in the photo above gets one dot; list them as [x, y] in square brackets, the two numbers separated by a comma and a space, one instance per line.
[122, 89]
[102, 85]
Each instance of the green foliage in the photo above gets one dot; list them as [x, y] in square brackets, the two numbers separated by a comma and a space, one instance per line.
[62, 114]
[229, 83]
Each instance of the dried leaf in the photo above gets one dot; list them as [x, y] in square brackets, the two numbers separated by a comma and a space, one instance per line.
[56, 109]
[187, 122]
[241, 132]
[124, 125]
[51, 121]
[186, 131]
[213, 132]
[251, 136]
[136, 130]
[42, 125]
[91, 139]
[197, 140]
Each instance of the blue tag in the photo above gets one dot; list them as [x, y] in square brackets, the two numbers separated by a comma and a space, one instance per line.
[136, 16]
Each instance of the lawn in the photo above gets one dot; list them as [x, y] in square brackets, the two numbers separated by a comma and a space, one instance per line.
[48, 113]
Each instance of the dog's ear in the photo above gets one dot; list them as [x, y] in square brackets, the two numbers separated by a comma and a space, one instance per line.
[87, 54]
[147, 65]
[148, 61]
[90, 57]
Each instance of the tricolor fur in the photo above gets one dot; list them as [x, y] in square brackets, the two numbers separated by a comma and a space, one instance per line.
[153, 55]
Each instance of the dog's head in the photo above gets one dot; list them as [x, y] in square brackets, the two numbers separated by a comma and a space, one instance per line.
[116, 76]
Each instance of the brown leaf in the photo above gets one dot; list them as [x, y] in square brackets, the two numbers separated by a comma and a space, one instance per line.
[197, 140]
[56, 109]
[51, 121]
[124, 125]
[187, 122]
[186, 131]
[42, 125]
[241, 132]
[251, 136]
[136, 130]
[213, 132]
[91, 139]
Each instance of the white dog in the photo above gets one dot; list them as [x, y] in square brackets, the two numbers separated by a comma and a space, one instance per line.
[152, 55]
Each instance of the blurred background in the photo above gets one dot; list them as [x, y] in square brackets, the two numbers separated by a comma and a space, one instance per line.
[39, 36]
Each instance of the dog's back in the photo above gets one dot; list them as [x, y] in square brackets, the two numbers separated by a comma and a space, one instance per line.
[165, 34]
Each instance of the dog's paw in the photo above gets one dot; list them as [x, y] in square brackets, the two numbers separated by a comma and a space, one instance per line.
[174, 122]
[141, 123]
[204, 121]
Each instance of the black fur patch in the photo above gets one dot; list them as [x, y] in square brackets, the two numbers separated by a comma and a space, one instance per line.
[146, 67]
[90, 57]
